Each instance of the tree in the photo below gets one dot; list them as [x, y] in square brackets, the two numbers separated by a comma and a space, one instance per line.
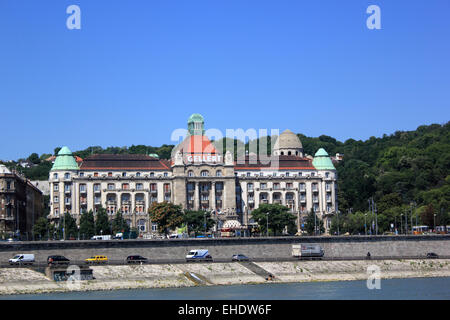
[119, 224]
[41, 228]
[279, 218]
[167, 215]
[87, 225]
[311, 222]
[34, 158]
[102, 225]
[195, 221]
[68, 227]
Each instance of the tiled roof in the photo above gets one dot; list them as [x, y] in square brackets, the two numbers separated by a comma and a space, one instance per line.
[123, 162]
[284, 163]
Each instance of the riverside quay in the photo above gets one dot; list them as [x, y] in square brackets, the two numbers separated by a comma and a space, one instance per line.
[197, 177]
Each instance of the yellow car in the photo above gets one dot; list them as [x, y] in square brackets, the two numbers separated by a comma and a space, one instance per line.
[97, 259]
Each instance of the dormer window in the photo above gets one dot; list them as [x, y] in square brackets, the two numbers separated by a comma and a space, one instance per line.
[124, 174]
[138, 174]
[55, 176]
[152, 174]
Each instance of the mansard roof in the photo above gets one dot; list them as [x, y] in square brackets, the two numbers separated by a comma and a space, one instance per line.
[123, 162]
[284, 163]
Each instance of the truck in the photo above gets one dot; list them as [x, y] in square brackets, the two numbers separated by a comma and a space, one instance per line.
[102, 237]
[22, 258]
[198, 255]
[307, 251]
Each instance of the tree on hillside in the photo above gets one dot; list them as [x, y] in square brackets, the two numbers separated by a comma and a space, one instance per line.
[278, 215]
[195, 221]
[167, 215]
[87, 225]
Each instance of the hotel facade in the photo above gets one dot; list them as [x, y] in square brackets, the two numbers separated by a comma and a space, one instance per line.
[197, 177]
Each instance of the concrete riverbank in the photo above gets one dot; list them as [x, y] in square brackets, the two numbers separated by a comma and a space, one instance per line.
[24, 280]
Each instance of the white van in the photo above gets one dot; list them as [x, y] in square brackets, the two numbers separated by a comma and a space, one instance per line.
[22, 258]
[198, 255]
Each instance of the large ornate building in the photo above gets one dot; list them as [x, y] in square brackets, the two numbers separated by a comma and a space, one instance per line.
[198, 177]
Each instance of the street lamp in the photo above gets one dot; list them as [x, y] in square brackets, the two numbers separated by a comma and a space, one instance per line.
[365, 224]
[267, 226]
[401, 223]
[434, 222]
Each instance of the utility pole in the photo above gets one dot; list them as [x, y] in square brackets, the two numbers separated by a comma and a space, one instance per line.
[376, 217]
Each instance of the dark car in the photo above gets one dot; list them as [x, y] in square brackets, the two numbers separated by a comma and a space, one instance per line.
[432, 255]
[136, 259]
[239, 257]
[56, 260]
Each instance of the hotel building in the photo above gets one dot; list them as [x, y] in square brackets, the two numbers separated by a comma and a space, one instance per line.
[197, 177]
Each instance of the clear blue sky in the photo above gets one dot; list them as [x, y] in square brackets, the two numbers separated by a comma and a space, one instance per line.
[137, 69]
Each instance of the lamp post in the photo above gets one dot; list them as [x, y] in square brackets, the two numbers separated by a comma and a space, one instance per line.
[267, 224]
[315, 224]
[434, 222]
[365, 224]
[406, 221]
[376, 217]
[205, 223]
[401, 223]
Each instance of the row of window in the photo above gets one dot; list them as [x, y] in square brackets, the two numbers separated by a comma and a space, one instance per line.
[112, 186]
[289, 185]
[205, 173]
[286, 174]
[109, 174]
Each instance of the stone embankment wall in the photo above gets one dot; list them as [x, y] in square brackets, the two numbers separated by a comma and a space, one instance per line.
[280, 247]
[24, 280]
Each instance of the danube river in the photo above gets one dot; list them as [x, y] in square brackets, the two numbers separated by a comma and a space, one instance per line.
[412, 288]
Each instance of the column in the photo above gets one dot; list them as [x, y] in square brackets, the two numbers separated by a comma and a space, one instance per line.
[213, 196]
[196, 197]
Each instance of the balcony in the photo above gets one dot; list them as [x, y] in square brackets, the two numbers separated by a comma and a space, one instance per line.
[315, 199]
[97, 190]
[67, 191]
[83, 190]
[153, 190]
[111, 202]
[329, 200]
[140, 202]
[251, 200]
[126, 202]
[315, 189]
[278, 201]
[264, 201]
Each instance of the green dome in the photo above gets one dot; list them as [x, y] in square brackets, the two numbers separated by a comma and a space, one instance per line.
[65, 160]
[322, 161]
[153, 155]
[196, 117]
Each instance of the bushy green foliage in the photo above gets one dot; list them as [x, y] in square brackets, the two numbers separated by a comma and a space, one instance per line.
[167, 215]
[195, 221]
[278, 216]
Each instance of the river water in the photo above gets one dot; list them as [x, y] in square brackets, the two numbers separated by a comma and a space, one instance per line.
[408, 289]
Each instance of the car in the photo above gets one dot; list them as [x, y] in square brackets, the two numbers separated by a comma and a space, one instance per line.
[22, 259]
[96, 259]
[57, 260]
[136, 259]
[239, 257]
[198, 255]
[432, 255]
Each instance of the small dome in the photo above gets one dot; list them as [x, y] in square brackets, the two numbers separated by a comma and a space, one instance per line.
[322, 161]
[65, 160]
[288, 143]
[196, 117]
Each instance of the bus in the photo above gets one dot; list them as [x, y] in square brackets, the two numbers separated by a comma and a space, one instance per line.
[420, 229]
[442, 229]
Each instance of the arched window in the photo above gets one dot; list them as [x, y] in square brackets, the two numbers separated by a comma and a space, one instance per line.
[190, 173]
[204, 173]
[289, 153]
[152, 174]
[282, 153]
[138, 174]
[218, 173]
